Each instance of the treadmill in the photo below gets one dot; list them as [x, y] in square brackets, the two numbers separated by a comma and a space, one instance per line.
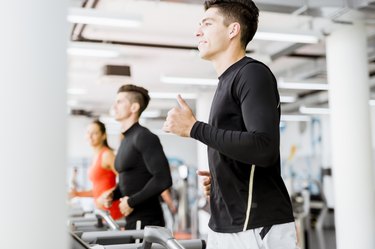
[153, 238]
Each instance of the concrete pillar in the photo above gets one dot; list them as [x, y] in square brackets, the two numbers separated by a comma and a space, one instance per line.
[203, 107]
[351, 137]
[33, 120]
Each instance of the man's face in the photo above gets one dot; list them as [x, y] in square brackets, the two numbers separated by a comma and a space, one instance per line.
[212, 34]
[122, 106]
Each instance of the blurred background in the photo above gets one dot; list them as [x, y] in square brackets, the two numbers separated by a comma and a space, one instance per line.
[66, 61]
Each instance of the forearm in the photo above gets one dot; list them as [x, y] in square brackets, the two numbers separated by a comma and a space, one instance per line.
[167, 198]
[86, 193]
[155, 186]
[248, 147]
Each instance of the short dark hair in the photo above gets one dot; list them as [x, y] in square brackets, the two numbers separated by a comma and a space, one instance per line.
[243, 11]
[138, 95]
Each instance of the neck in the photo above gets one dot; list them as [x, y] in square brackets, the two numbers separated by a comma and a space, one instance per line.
[126, 124]
[226, 59]
[98, 148]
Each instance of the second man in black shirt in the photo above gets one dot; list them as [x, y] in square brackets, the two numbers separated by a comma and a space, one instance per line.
[140, 161]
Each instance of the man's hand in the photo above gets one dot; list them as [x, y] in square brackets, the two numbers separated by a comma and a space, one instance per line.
[124, 206]
[106, 198]
[206, 181]
[180, 120]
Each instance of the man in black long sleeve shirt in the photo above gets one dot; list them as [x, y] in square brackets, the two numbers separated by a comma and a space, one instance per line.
[140, 161]
[248, 196]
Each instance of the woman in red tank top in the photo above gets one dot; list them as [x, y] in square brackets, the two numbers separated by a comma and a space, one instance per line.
[102, 173]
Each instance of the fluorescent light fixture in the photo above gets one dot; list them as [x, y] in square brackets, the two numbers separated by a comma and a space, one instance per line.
[93, 49]
[97, 17]
[287, 99]
[169, 95]
[76, 91]
[92, 52]
[295, 118]
[189, 81]
[313, 110]
[287, 36]
[372, 102]
[302, 85]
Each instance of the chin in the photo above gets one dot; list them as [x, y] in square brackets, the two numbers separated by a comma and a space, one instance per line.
[206, 57]
[203, 55]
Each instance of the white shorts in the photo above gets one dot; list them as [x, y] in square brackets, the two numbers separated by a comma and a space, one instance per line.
[282, 236]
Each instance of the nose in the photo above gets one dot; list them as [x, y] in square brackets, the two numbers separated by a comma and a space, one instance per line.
[198, 32]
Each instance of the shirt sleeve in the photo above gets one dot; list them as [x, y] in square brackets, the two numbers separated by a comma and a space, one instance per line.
[157, 164]
[256, 92]
[116, 194]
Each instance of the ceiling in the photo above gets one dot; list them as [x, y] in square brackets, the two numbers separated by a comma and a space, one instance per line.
[164, 45]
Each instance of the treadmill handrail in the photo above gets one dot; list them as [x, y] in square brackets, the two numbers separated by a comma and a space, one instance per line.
[187, 244]
[160, 235]
[108, 219]
[93, 237]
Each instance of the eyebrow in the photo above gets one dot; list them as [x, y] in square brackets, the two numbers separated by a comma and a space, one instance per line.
[206, 19]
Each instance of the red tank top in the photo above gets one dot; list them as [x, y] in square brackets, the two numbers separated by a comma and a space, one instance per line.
[103, 179]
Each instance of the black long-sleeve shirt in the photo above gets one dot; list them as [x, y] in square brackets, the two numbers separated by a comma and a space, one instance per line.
[143, 172]
[243, 139]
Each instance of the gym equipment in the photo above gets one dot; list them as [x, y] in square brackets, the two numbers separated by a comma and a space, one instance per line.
[99, 221]
[153, 238]
[112, 237]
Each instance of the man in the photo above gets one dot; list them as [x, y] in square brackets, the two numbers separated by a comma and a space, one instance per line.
[140, 162]
[250, 206]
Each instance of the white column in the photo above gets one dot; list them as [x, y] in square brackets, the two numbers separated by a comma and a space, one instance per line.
[351, 137]
[32, 124]
[203, 108]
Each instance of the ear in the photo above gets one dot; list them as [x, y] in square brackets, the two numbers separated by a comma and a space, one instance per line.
[134, 108]
[234, 29]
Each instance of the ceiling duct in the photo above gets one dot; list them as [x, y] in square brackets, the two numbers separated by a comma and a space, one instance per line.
[81, 112]
[116, 70]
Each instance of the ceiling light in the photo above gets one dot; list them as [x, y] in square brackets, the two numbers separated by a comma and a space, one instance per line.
[92, 52]
[287, 36]
[76, 91]
[295, 118]
[96, 17]
[189, 81]
[314, 110]
[93, 49]
[302, 85]
[169, 95]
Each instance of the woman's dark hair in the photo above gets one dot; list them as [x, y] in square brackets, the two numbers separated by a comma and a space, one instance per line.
[103, 131]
